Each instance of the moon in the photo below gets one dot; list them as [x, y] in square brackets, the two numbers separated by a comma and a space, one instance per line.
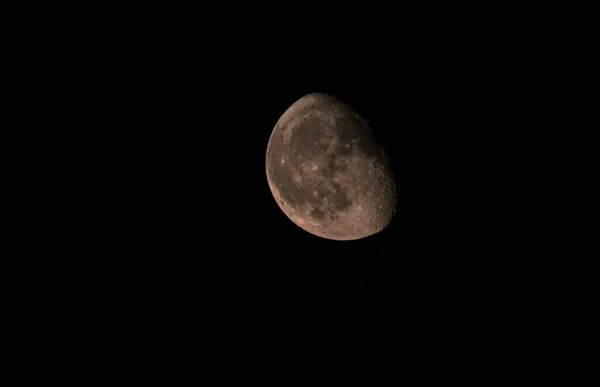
[327, 172]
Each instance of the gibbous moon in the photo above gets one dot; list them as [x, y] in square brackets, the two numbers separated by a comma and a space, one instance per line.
[327, 172]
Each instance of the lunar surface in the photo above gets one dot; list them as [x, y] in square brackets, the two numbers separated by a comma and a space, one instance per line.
[327, 172]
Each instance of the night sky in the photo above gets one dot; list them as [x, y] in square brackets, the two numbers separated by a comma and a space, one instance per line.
[190, 221]
[160, 235]
[200, 222]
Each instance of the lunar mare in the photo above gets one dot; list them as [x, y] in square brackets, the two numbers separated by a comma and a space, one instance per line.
[327, 172]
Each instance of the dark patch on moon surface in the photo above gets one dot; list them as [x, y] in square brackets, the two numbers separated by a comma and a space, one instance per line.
[307, 138]
[327, 171]
[317, 214]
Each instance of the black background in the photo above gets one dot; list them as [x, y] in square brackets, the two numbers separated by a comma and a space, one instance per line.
[186, 229]
[195, 217]
[158, 232]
